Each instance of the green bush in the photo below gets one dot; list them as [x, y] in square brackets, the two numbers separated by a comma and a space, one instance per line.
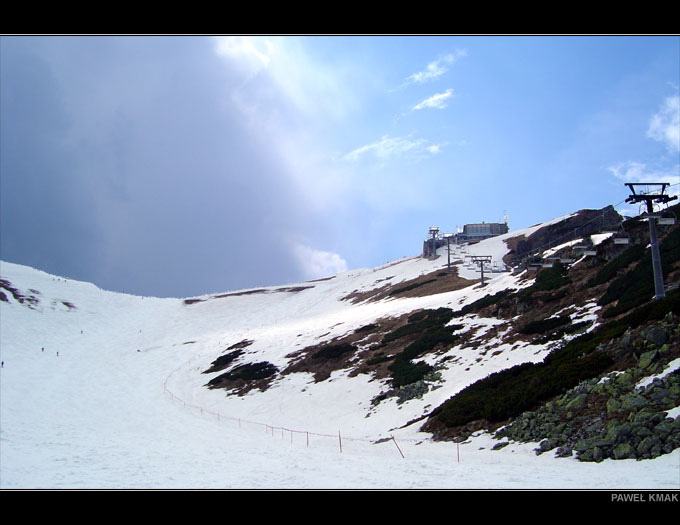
[485, 301]
[404, 372]
[510, 392]
[636, 287]
[431, 330]
[548, 279]
[609, 270]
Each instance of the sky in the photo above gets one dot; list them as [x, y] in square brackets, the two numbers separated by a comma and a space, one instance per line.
[175, 166]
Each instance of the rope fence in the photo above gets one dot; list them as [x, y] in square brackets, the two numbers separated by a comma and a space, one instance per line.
[286, 432]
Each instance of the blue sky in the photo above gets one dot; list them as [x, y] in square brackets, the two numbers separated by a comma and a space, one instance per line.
[176, 166]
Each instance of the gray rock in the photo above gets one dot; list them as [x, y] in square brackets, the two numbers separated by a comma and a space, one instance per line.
[598, 454]
[633, 401]
[577, 402]
[544, 446]
[564, 452]
[618, 433]
[624, 451]
[656, 336]
[647, 358]
[647, 444]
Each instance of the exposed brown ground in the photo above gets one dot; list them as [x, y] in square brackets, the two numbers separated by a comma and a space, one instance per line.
[438, 281]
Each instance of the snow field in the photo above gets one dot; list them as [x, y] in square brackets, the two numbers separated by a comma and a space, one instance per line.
[104, 415]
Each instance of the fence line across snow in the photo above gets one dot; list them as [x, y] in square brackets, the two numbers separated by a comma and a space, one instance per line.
[272, 429]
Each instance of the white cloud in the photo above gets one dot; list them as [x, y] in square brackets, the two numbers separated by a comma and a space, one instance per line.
[664, 126]
[388, 147]
[438, 100]
[640, 172]
[319, 89]
[317, 264]
[250, 54]
[437, 67]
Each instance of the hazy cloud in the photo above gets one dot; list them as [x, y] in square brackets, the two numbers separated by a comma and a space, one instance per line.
[664, 126]
[317, 264]
[437, 67]
[438, 100]
[388, 147]
[123, 157]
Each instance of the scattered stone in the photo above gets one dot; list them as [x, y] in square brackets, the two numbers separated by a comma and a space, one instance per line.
[656, 336]
[647, 358]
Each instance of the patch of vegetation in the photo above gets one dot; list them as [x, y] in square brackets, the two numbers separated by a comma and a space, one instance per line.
[485, 301]
[405, 372]
[367, 328]
[555, 296]
[334, 351]
[610, 270]
[223, 361]
[544, 325]
[431, 330]
[637, 286]
[378, 359]
[508, 393]
[420, 322]
[23, 299]
[246, 372]
[241, 344]
[558, 334]
[411, 287]
[548, 279]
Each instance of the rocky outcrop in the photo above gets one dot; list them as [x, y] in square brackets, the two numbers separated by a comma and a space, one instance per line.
[582, 224]
[619, 416]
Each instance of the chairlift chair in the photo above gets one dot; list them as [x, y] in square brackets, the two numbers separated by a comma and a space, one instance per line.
[666, 220]
[621, 237]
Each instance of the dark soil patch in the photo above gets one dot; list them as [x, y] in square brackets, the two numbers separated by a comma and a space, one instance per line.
[432, 283]
[224, 361]
[245, 377]
[28, 300]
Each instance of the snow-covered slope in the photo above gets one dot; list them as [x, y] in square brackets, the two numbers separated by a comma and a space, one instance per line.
[107, 390]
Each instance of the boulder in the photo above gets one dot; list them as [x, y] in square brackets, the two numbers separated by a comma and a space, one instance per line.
[647, 444]
[656, 336]
[577, 402]
[647, 358]
[624, 451]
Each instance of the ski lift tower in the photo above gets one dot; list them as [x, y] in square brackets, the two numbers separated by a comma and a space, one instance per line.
[448, 237]
[434, 233]
[652, 193]
[481, 260]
